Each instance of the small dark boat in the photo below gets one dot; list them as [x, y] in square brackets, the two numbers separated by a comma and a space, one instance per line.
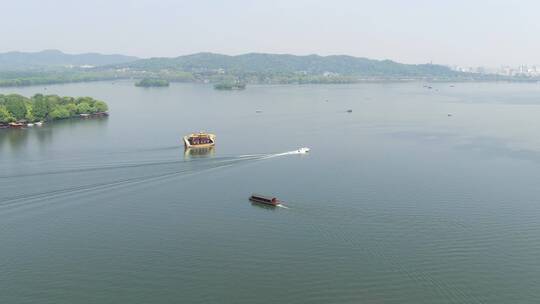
[101, 114]
[349, 111]
[92, 115]
[262, 199]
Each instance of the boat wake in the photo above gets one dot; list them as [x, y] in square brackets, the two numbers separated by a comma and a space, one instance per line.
[123, 175]
[294, 152]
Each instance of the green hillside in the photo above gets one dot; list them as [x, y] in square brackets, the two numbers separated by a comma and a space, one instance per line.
[255, 63]
[55, 58]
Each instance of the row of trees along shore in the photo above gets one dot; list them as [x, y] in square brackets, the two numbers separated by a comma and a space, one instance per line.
[17, 108]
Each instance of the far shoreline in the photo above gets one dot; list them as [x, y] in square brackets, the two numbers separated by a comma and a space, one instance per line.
[365, 81]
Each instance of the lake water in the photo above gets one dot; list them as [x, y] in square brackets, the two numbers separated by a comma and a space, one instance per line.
[398, 202]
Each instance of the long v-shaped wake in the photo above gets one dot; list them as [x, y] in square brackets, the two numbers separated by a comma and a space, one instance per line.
[195, 167]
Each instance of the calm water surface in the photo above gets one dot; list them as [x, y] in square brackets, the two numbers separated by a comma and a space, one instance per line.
[397, 202]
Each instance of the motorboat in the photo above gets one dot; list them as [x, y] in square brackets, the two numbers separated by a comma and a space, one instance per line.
[303, 150]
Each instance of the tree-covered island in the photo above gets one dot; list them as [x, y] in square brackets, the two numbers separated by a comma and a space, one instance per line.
[229, 86]
[152, 82]
[16, 108]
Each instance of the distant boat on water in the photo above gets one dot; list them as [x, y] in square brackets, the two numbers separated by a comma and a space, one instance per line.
[266, 200]
[16, 125]
[199, 140]
[98, 114]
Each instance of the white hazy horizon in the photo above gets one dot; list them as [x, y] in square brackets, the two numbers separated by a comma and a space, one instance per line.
[479, 33]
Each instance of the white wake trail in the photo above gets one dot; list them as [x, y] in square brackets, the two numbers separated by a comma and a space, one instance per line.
[299, 151]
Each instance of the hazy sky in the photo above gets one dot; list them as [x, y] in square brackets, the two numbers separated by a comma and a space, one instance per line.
[464, 32]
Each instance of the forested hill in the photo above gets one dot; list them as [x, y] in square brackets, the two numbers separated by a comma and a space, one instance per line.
[55, 58]
[48, 67]
[257, 63]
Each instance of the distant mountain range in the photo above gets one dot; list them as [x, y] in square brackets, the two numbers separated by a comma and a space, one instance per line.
[258, 63]
[56, 58]
[53, 66]
[252, 63]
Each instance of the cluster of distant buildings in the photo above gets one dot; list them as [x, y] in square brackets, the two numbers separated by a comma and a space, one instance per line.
[522, 70]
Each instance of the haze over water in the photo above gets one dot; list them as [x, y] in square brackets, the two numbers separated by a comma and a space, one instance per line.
[397, 202]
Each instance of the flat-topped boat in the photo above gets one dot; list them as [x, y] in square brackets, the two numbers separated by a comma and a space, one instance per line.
[199, 140]
[262, 199]
[16, 125]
